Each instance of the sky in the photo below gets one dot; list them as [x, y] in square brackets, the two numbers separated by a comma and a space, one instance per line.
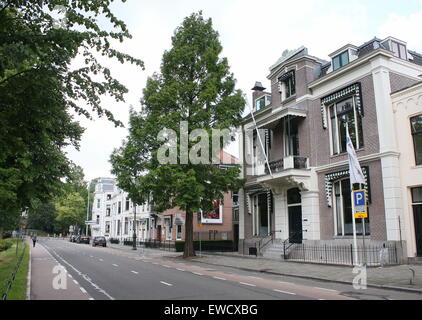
[253, 34]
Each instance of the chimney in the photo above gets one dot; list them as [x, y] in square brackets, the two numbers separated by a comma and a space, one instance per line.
[258, 91]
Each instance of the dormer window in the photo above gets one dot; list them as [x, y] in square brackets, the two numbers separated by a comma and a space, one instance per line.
[262, 102]
[341, 60]
[399, 50]
[397, 47]
[287, 85]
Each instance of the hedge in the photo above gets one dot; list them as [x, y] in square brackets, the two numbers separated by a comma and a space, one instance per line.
[208, 245]
[5, 244]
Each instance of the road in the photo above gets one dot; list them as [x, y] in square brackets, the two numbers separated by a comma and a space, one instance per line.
[112, 274]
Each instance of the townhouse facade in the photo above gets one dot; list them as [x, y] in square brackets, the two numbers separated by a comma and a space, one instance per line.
[299, 190]
[407, 108]
[114, 213]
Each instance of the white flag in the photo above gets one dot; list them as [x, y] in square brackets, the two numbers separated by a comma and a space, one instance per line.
[356, 175]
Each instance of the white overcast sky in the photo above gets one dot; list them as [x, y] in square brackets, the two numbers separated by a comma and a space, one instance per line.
[253, 35]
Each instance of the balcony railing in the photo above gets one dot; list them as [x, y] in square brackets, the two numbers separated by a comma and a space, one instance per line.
[299, 163]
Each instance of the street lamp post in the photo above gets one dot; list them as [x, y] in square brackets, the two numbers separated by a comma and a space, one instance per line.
[87, 210]
[134, 228]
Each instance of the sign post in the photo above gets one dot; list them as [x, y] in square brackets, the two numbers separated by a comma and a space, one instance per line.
[361, 212]
[199, 218]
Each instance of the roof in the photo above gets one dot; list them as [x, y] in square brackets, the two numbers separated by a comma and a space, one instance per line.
[408, 87]
[287, 57]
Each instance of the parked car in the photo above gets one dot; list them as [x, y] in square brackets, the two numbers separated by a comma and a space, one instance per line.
[99, 241]
[84, 239]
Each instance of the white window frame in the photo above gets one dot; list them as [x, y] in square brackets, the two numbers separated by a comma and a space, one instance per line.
[358, 145]
[177, 232]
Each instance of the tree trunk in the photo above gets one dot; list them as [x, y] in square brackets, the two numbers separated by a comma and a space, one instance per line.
[1, 233]
[189, 249]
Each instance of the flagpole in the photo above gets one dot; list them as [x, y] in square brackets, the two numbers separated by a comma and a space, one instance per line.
[355, 241]
[259, 138]
[356, 176]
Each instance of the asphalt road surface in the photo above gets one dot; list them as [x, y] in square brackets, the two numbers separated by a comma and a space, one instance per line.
[112, 274]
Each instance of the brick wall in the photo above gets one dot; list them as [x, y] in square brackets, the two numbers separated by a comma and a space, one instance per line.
[399, 82]
[320, 137]
[376, 208]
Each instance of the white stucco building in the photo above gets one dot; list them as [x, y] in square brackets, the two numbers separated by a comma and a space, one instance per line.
[115, 213]
[407, 107]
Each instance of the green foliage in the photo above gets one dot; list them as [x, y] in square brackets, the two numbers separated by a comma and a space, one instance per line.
[5, 244]
[39, 90]
[195, 85]
[67, 208]
[71, 209]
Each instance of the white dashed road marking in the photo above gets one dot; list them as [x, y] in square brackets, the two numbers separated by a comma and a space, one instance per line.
[197, 273]
[167, 284]
[247, 284]
[285, 292]
[135, 272]
[83, 290]
[330, 290]
[180, 269]
[218, 278]
[115, 265]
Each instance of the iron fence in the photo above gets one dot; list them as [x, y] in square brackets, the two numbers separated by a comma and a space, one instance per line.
[343, 254]
[12, 277]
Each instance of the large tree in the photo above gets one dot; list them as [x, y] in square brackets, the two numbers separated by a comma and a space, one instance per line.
[195, 86]
[40, 90]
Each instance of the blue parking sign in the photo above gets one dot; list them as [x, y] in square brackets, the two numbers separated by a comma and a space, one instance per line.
[359, 198]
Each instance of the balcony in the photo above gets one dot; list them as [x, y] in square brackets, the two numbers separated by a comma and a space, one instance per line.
[286, 173]
[277, 166]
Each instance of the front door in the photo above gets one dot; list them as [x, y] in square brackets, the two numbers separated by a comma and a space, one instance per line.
[295, 224]
[263, 215]
[235, 237]
[417, 210]
[294, 202]
[159, 233]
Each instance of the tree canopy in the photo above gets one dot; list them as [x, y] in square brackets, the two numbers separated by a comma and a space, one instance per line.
[195, 90]
[40, 90]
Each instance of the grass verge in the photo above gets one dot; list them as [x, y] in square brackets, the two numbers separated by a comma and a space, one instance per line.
[8, 260]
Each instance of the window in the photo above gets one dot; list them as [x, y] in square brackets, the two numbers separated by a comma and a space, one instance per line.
[119, 210]
[416, 123]
[262, 102]
[109, 197]
[399, 50]
[98, 203]
[289, 87]
[118, 227]
[341, 60]
[108, 210]
[126, 226]
[127, 204]
[343, 211]
[98, 219]
[107, 227]
[417, 195]
[291, 137]
[235, 199]
[344, 113]
[179, 232]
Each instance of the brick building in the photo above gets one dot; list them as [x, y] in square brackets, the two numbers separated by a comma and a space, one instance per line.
[304, 194]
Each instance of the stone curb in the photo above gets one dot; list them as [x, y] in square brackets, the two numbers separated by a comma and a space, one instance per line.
[28, 284]
[378, 286]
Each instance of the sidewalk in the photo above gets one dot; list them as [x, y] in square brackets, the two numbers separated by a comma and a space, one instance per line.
[42, 278]
[395, 277]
